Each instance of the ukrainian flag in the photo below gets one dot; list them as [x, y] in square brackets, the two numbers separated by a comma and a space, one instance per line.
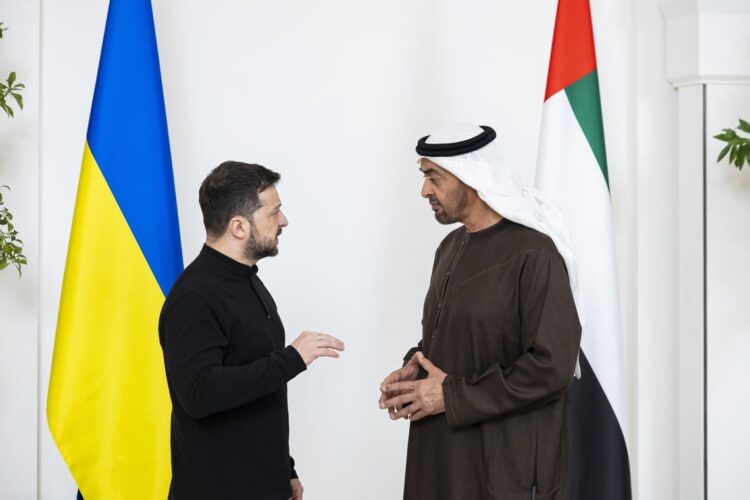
[108, 405]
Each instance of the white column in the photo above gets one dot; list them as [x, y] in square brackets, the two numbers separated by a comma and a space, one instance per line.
[727, 311]
[708, 63]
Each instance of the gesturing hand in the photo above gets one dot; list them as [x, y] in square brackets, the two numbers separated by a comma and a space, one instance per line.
[313, 345]
[297, 490]
[406, 373]
[417, 399]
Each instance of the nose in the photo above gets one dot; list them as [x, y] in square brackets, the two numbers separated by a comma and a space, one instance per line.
[283, 222]
[426, 189]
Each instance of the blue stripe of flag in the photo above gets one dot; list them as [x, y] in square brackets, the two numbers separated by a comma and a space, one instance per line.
[128, 136]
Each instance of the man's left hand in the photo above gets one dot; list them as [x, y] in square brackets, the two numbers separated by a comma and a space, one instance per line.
[420, 398]
[297, 490]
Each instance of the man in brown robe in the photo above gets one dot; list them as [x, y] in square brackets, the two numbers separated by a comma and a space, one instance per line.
[486, 390]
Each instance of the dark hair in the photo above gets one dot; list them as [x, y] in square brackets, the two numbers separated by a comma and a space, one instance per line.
[232, 189]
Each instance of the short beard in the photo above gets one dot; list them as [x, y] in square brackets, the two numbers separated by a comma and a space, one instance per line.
[455, 204]
[257, 248]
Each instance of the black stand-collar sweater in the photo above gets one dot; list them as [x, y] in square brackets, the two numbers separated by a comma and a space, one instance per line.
[227, 370]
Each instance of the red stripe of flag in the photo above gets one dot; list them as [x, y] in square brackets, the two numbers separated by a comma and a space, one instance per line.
[573, 55]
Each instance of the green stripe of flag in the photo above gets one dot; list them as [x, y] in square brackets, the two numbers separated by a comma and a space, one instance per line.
[584, 99]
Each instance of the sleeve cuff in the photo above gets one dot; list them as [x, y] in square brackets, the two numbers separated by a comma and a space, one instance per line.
[450, 400]
[295, 363]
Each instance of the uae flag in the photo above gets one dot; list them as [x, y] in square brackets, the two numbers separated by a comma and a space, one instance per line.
[572, 171]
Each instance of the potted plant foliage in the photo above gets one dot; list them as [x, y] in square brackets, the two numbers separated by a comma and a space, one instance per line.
[738, 145]
[11, 248]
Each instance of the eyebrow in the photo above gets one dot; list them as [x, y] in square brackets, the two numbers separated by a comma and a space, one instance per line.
[429, 171]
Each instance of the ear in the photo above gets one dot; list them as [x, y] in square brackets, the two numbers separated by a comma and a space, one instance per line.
[238, 227]
[471, 194]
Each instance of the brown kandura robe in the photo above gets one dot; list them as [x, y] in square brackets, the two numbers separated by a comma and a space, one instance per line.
[500, 320]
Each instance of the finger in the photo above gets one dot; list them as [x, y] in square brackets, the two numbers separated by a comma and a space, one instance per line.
[390, 394]
[326, 353]
[329, 339]
[381, 400]
[401, 387]
[425, 363]
[408, 410]
[331, 344]
[336, 341]
[386, 395]
[419, 415]
[395, 376]
[392, 411]
[400, 400]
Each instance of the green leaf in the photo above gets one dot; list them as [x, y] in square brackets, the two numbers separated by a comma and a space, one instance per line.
[8, 110]
[744, 126]
[724, 152]
[727, 135]
[744, 154]
[732, 154]
[19, 100]
[11, 78]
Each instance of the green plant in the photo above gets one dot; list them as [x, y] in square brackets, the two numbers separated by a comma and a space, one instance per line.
[11, 248]
[738, 146]
[10, 88]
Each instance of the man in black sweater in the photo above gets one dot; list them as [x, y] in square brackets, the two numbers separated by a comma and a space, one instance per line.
[223, 342]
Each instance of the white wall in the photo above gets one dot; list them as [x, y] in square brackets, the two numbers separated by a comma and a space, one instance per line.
[334, 95]
[19, 168]
[727, 313]
[655, 235]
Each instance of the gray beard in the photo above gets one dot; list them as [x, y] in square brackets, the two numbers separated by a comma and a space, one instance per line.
[451, 216]
[445, 218]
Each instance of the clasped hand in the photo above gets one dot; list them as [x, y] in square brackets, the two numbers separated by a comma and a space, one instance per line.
[406, 397]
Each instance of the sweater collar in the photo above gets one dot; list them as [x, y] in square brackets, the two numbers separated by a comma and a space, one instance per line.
[228, 263]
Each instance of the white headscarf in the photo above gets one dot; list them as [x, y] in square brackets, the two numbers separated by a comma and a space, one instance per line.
[500, 187]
